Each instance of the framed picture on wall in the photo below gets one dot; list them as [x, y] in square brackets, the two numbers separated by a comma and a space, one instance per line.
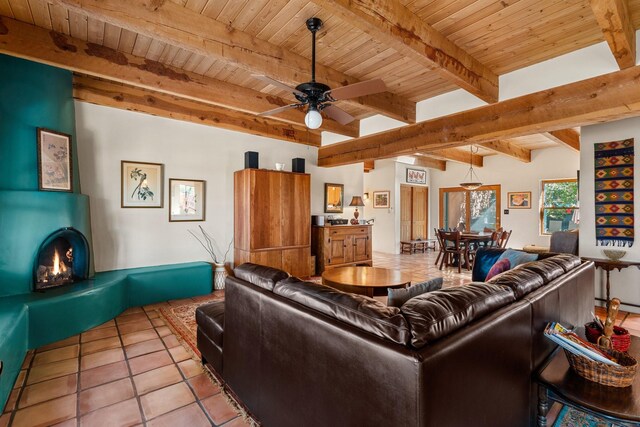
[381, 199]
[333, 198]
[519, 200]
[416, 176]
[55, 171]
[186, 200]
[141, 184]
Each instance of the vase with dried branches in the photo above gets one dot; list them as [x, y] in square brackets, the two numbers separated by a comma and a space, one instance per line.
[219, 260]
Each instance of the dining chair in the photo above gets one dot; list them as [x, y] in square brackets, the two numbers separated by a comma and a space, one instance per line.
[504, 239]
[440, 245]
[453, 245]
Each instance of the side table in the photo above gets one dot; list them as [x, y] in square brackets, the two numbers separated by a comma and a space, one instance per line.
[608, 266]
[557, 382]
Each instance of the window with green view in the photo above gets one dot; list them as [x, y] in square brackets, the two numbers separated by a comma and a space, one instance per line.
[559, 201]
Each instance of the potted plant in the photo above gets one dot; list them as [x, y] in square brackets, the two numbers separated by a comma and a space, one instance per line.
[219, 261]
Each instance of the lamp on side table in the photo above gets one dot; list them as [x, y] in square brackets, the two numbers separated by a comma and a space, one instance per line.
[357, 202]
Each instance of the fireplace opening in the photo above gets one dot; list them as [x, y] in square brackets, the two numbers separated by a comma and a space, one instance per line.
[62, 258]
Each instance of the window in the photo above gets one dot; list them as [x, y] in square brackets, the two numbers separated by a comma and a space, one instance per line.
[476, 209]
[558, 202]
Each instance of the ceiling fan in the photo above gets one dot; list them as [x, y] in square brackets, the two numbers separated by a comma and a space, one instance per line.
[319, 97]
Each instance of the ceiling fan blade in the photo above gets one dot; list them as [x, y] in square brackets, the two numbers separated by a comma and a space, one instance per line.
[277, 84]
[338, 114]
[358, 89]
[279, 110]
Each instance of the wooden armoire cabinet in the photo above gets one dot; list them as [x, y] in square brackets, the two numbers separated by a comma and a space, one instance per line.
[340, 245]
[272, 219]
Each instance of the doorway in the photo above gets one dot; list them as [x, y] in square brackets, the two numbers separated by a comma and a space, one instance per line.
[414, 212]
[474, 210]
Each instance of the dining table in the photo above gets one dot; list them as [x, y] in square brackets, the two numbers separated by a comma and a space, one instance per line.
[480, 238]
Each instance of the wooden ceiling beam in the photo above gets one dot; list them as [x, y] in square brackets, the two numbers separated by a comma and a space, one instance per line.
[369, 165]
[393, 24]
[429, 162]
[40, 45]
[101, 92]
[178, 26]
[608, 97]
[569, 138]
[509, 148]
[615, 22]
[456, 155]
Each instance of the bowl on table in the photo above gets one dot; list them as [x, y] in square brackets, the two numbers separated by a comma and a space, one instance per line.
[614, 254]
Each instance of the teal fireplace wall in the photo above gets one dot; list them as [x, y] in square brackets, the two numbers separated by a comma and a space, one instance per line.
[33, 95]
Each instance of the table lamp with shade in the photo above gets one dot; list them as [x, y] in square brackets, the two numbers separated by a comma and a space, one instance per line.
[357, 202]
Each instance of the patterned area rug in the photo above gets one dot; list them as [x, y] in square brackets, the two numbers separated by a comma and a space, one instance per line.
[614, 193]
[570, 417]
[182, 318]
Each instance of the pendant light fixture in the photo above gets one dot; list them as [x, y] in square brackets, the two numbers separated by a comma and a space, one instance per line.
[471, 180]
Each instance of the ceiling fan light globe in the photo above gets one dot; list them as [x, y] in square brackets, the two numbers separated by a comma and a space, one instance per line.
[313, 119]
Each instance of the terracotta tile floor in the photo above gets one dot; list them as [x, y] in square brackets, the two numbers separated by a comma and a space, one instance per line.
[133, 371]
[129, 371]
[422, 267]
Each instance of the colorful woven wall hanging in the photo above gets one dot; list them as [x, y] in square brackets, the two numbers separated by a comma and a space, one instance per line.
[614, 193]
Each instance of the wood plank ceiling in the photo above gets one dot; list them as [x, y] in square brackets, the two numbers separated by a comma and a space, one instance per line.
[501, 35]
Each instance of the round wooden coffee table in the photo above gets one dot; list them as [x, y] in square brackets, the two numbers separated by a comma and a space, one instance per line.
[365, 280]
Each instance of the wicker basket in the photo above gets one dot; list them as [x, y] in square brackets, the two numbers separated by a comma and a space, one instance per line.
[620, 340]
[601, 373]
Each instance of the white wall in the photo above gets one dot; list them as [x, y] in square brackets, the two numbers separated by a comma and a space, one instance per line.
[125, 238]
[513, 175]
[382, 178]
[388, 175]
[625, 284]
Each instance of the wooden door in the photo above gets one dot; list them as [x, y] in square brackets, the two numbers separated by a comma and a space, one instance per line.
[338, 253]
[269, 258]
[266, 211]
[296, 261]
[419, 212]
[360, 247]
[414, 211]
[295, 209]
[405, 212]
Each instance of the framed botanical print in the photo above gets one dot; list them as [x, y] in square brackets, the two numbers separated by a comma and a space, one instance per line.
[416, 176]
[55, 172]
[141, 184]
[333, 198]
[381, 199]
[519, 200]
[186, 199]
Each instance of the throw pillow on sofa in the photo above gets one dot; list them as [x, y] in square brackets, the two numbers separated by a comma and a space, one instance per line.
[397, 297]
[499, 267]
[517, 257]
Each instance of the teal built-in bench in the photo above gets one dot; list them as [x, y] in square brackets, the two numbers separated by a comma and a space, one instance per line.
[35, 319]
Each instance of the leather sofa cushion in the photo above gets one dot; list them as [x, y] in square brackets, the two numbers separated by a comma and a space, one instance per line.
[566, 261]
[210, 320]
[439, 313]
[360, 311]
[259, 275]
[546, 268]
[520, 280]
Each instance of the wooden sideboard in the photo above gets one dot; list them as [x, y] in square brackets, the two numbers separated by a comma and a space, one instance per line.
[341, 245]
[272, 219]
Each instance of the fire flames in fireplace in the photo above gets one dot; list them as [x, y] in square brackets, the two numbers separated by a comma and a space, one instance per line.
[59, 271]
[63, 257]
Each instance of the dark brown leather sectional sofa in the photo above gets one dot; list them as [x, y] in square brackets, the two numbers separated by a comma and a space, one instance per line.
[301, 354]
